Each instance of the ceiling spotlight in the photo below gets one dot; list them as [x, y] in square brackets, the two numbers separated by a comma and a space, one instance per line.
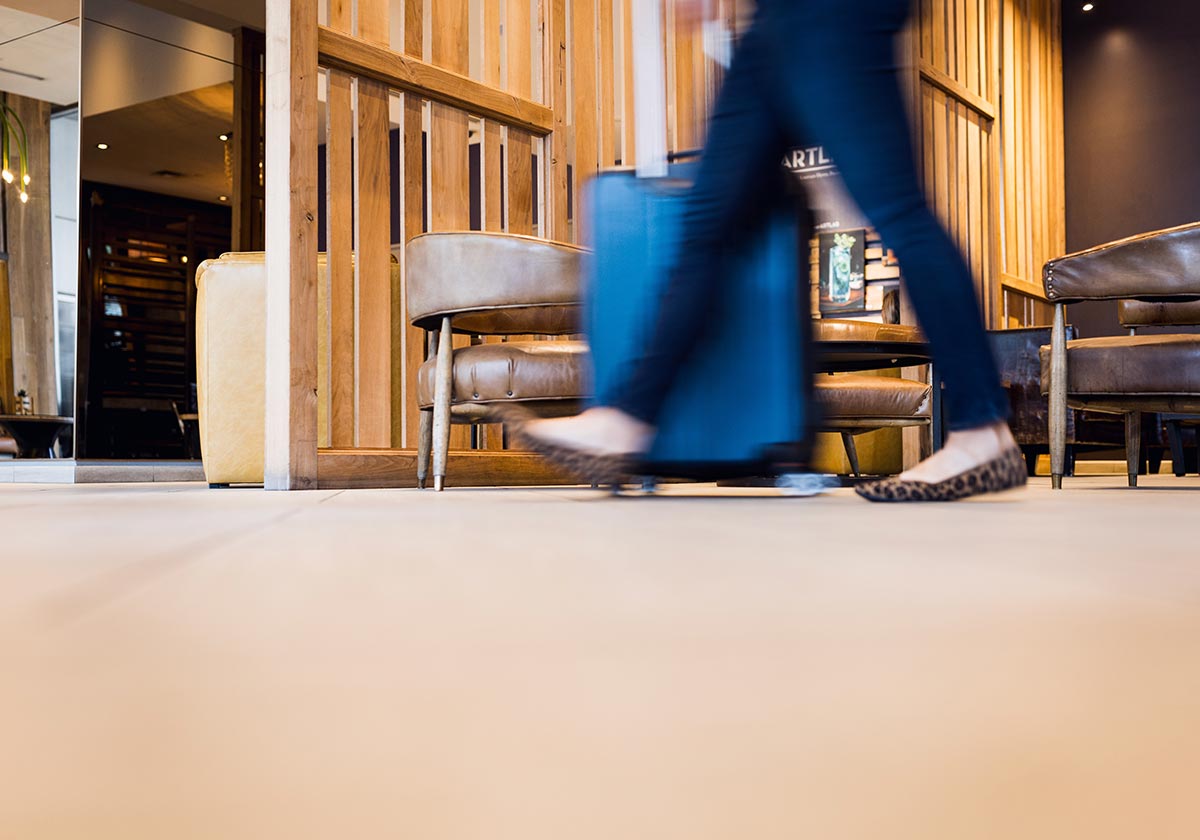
[224, 138]
[1087, 7]
[183, 259]
[222, 198]
[102, 146]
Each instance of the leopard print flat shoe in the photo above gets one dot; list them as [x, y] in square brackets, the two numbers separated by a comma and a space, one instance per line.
[587, 466]
[1005, 472]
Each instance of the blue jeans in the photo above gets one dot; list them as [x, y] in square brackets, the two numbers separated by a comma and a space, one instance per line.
[812, 72]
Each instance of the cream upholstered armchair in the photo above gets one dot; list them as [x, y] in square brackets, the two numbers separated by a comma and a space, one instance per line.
[492, 284]
[1126, 374]
[231, 363]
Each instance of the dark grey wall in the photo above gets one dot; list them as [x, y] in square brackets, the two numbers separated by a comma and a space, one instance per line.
[1131, 85]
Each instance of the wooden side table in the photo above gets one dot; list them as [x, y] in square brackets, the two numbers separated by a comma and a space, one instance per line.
[35, 433]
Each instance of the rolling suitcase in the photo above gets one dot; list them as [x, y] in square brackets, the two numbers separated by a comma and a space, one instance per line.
[739, 407]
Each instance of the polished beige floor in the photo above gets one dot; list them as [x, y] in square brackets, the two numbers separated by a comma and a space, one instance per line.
[182, 663]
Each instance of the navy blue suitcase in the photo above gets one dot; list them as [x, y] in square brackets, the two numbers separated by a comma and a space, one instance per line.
[740, 406]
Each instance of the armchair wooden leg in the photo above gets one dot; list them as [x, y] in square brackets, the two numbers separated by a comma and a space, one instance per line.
[424, 446]
[1058, 396]
[441, 404]
[1133, 445]
[851, 453]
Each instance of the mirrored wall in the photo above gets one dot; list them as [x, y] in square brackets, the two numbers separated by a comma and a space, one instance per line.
[170, 139]
[39, 147]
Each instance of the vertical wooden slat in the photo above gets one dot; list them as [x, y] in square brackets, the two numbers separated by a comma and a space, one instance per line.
[413, 155]
[518, 156]
[491, 140]
[686, 106]
[449, 143]
[585, 103]
[339, 243]
[373, 246]
[556, 224]
[608, 133]
[290, 451]
[628, 120]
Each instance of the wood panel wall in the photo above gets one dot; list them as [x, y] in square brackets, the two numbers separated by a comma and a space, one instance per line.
[1031, 131]
[543, 89]
[989, 130]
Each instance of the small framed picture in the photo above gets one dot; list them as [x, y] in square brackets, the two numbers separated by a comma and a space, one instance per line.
[841, 257]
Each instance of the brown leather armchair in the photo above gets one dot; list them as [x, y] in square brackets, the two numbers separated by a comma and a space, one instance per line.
[492, 284]
[1123, 374]
[1135, 314]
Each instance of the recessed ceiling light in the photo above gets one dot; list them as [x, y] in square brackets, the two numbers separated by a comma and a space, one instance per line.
[102, 146]
[1087, 7]
[222, 198]
[183, 259]
[224, 138]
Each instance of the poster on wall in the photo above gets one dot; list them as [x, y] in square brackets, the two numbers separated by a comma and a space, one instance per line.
[826, 195]
[841, 271]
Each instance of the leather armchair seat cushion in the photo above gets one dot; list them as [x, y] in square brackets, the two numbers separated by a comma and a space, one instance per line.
[1127, 365]
[8, 446]
[494, 283]
[515, 371]
[852, 396]
[836, 329]
[1140, 313]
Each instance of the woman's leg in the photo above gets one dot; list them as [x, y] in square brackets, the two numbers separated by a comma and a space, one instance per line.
[839, 84]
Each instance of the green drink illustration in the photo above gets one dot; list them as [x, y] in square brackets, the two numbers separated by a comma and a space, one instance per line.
[839, 268]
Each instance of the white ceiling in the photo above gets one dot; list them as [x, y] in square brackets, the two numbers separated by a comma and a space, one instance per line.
[37, 58]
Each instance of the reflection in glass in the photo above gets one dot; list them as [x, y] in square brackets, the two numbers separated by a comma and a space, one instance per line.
[160, 163]
[39, 145]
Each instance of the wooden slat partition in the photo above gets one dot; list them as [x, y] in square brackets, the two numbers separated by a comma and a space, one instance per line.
[992, 164]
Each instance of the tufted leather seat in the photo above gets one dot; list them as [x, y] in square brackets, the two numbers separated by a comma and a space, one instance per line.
[517, 371]
[492, 284]
[1131, 368]
[871, 397]
[836, 329]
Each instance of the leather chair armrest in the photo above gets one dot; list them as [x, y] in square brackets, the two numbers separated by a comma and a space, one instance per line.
[1162, 265]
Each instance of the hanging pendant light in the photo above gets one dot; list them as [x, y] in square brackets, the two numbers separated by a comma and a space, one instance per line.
[12, 130]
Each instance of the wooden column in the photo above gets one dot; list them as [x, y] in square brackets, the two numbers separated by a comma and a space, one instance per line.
[291, 237]
[30, 277]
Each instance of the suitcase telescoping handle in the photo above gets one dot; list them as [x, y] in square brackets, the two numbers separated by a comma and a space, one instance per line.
[649, 89]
